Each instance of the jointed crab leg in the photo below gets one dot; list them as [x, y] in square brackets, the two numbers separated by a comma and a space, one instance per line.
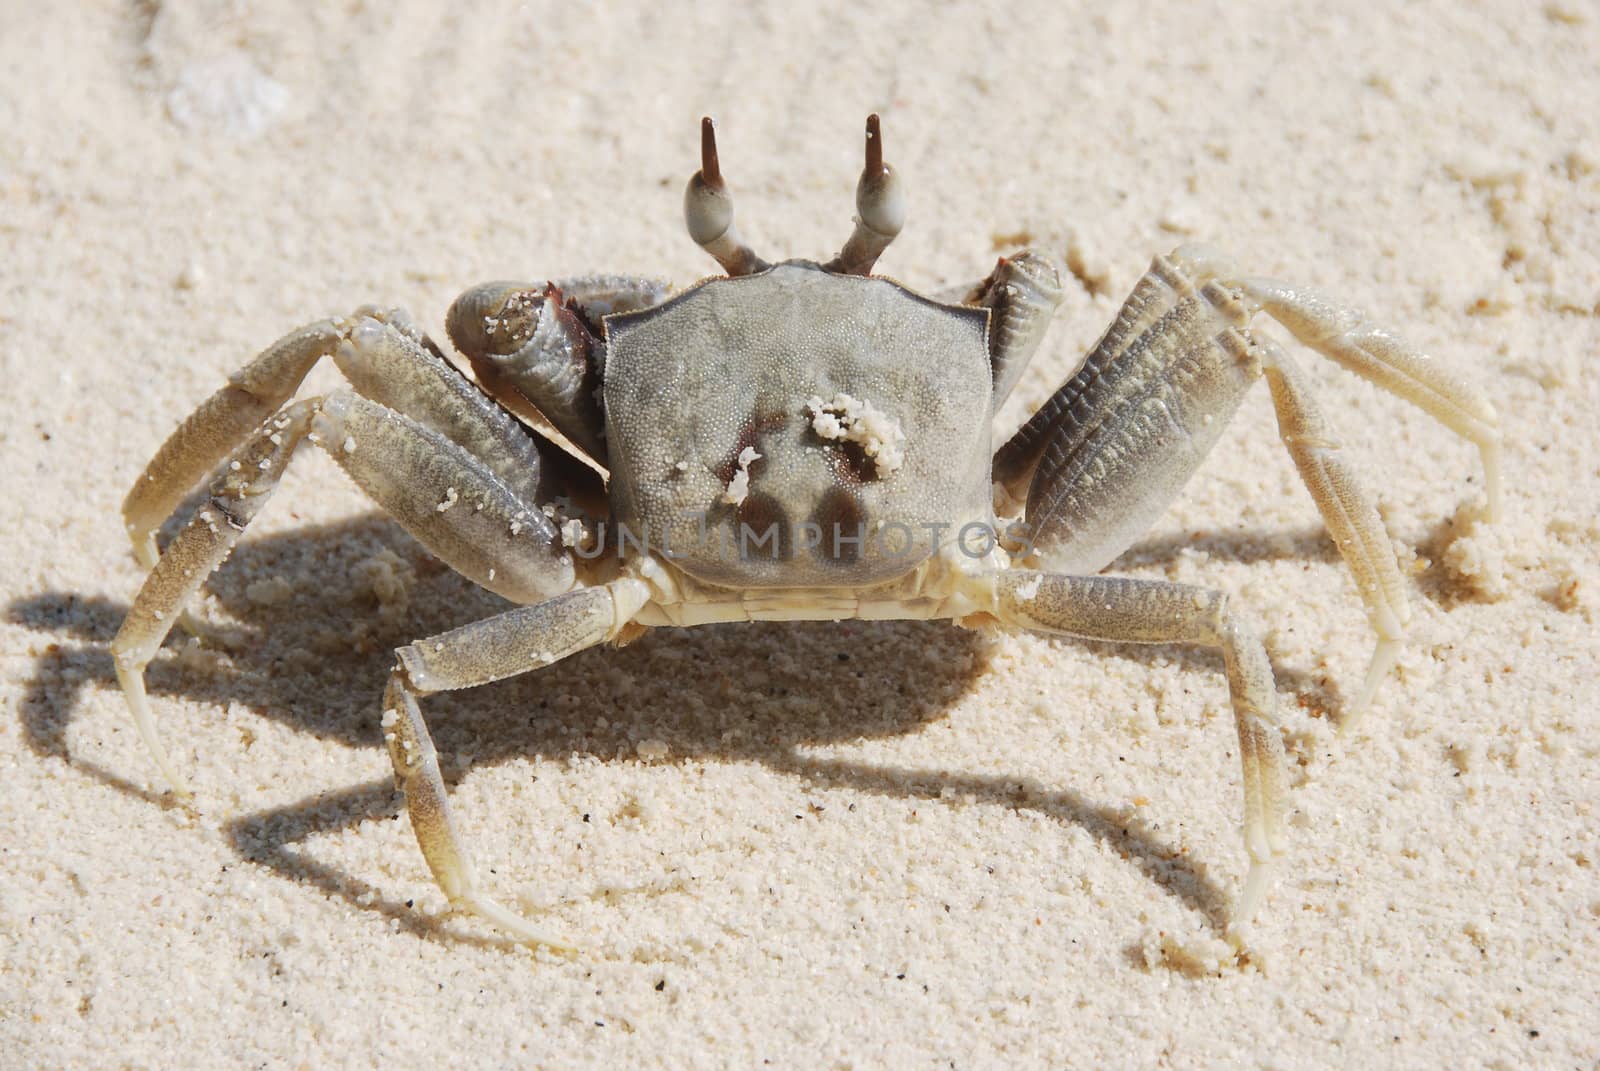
[1334, 330]
[1131, 428]
[1153, 296]
[1023, 293]
[1344, 335]
[217, 427]
[438, 491]
[384, 358]
[1150, 611]
[1106, 454]
[1349, 513]
[518, 641]
[199, 548]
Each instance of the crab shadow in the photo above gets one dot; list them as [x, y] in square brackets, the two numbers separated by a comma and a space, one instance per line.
[312, 647]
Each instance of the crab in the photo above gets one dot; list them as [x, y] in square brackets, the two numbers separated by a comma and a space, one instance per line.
[790, 441]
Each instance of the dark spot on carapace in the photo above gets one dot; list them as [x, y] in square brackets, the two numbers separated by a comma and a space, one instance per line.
[843, 524]
[756, 425]
[763, 528]
[849, 463]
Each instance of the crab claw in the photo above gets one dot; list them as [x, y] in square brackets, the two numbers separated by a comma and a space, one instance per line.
[708, 211]
[880, 210]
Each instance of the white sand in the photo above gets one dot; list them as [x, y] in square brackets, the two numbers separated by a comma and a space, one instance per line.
[855, 845]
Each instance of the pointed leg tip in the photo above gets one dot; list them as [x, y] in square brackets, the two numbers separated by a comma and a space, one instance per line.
[1489, 455]
[1354, 715]
[535, 940]
[554, 946]
[515, 925]
[176, 786]
[1250, 898]
[1384, 657]
[130, 676]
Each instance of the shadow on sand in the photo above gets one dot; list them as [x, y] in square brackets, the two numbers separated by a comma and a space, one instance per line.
[316, 659]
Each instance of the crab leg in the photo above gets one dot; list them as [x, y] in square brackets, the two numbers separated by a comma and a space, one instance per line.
[203, 544]
[1023, 293]
[1347, 337]
[439, 492]
[1151, 611]
[383, 357]
[1334, 330]
[512, 643]
[1154, 295]
[1133, 425]
[217, 427]
[1106, 454]
[1349, 513]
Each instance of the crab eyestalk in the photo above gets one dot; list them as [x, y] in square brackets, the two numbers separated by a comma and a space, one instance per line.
[880, 210]
[708, 210]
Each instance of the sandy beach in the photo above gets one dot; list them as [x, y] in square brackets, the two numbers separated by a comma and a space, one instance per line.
[817, 845]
